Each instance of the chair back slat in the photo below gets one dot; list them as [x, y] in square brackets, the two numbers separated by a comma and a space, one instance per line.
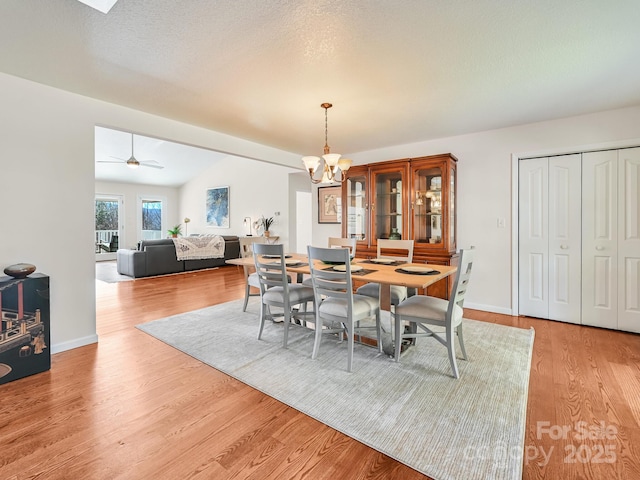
[394, 249]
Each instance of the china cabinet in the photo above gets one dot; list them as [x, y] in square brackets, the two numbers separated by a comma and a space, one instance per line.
[412, 199]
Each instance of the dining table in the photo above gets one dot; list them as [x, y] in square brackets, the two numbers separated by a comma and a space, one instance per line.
[381, 271]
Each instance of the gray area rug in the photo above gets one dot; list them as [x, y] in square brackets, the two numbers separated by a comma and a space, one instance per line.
[108, 272]
[414, 411]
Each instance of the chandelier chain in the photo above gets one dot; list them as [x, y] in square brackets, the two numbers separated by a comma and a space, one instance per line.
[326, 128]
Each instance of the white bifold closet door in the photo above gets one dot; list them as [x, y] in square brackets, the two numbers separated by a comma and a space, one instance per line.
[611, 239]
[629, 240]
[550, 237]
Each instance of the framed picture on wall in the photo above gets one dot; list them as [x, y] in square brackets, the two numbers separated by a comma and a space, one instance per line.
[329, 201]
[217, 207]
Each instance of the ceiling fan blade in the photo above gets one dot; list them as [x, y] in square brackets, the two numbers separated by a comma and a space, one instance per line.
[109, 161]
[121, 159]
[147, 164]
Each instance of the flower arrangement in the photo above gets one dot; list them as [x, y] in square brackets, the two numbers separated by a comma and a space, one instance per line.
[266, 222]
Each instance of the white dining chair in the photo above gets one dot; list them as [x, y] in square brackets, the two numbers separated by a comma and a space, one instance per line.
[397, 250]
[423, 312]
[338, 242]
[250, 277]
[337, 308]
[276, 289]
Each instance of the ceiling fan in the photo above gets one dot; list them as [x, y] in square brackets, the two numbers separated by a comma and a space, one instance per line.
[132, 161]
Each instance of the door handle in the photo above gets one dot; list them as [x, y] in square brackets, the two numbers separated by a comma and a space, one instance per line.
[599, 248]
[564, 247]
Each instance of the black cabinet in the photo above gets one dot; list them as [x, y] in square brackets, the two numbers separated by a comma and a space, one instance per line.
[24, 326]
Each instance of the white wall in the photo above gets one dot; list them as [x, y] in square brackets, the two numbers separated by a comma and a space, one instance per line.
[485, 189]
[47, 186]
[130, 193]
[255, 189]
[299, 182]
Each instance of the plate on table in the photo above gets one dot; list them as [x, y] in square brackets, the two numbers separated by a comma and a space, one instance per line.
[416, 269]
[287, 261]
[383, 261]
[343, 268]
[275, 256]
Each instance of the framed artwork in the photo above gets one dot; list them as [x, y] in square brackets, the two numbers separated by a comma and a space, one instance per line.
[217, 207]
[329, 200]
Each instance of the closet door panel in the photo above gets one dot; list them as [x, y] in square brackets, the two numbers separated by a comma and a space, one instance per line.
[565, 238]
[629, 240]
[534, 238]
[600, 239]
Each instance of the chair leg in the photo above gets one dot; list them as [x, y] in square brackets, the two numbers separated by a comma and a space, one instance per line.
[379, 331]
[287, 321]
[350, 341]
[318, 338]
[461, 340]
[262, 318]
[451, 347]
[246, 298]
[397, 341]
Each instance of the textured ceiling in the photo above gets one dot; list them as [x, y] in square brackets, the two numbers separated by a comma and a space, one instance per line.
[397, 72]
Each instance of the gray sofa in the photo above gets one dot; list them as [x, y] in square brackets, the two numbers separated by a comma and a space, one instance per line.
[158, 257]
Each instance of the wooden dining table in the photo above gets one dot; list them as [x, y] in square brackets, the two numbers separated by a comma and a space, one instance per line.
[384, 275]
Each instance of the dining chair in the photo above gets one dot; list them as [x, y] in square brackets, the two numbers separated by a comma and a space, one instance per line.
[391, 250]
[336, 306]
[250, 277]
[337, 242]
[275, 287]
[423, 310]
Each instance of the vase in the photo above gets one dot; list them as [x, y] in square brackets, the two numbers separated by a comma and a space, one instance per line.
[394, 235]
[267, 233]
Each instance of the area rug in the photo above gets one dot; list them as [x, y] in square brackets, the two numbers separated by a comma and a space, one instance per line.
[413, 411]
[108, 272]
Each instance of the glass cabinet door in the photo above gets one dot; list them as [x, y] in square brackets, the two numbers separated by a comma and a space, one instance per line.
[356, 206]
[389, 208]
[427, 205]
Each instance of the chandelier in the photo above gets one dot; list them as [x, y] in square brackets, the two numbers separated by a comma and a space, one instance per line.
[332, 161]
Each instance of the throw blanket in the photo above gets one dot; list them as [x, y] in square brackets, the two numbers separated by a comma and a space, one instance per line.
[197, 248]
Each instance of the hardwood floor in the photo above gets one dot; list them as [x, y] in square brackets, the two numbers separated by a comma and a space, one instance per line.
[131, 407]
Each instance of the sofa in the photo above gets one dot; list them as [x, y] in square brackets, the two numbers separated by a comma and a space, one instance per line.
[158, 257]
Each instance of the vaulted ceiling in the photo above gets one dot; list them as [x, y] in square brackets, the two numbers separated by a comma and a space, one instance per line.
[397, 72]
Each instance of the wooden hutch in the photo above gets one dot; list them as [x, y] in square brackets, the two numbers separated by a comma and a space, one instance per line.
[412, 198]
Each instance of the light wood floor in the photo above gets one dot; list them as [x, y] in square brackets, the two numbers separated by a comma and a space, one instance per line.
[132, 407]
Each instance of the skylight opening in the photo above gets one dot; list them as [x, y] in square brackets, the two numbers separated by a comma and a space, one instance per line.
[101, 5]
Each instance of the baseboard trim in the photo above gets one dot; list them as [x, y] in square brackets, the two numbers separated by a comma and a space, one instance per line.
[75, 343]
[488, 308]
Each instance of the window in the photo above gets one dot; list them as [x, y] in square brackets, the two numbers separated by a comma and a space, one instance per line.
[151, 215]
[107, 214]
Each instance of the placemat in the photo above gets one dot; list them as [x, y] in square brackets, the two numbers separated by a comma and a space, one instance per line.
[432, 272]
[364, 271]
[395, 263]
